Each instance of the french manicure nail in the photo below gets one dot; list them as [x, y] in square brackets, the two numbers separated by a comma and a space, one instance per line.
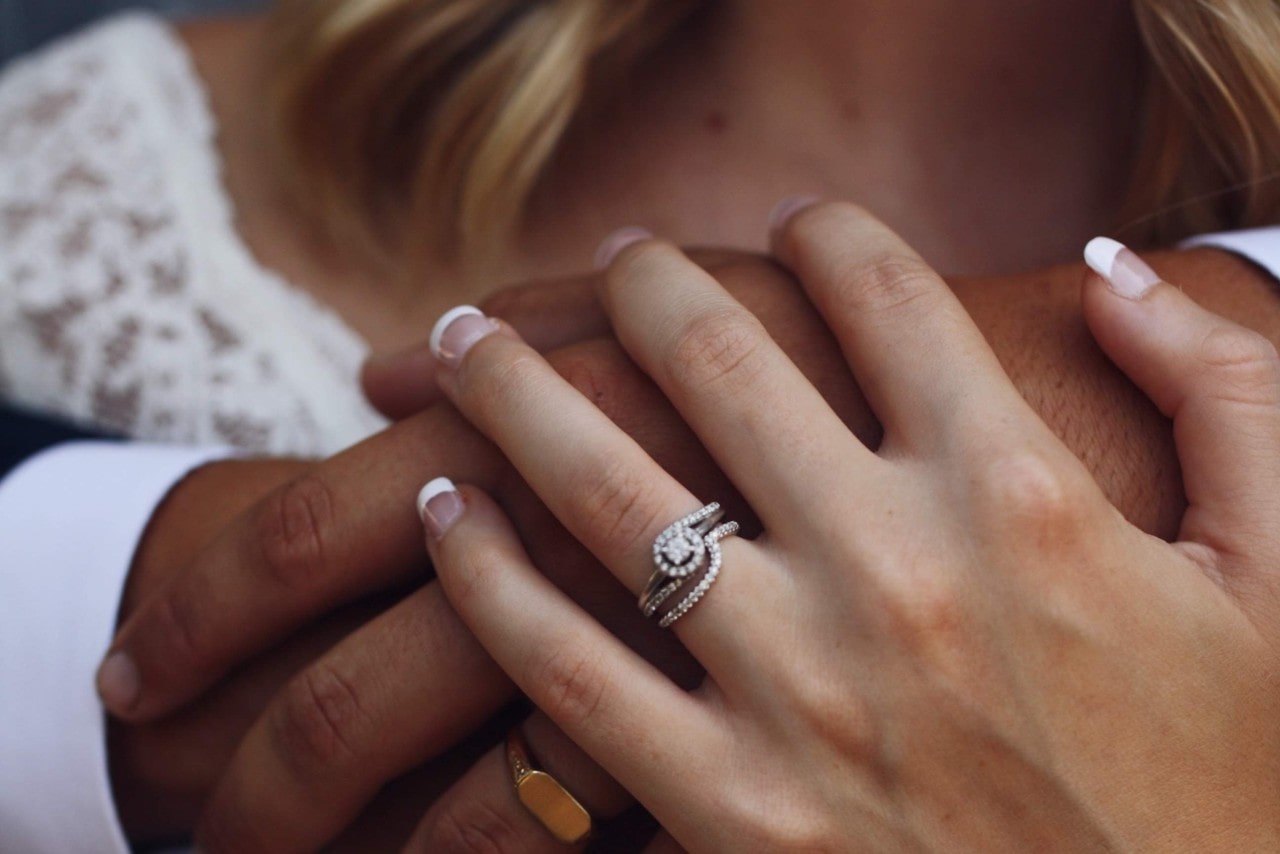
[118, 682]
[784, 210]
[457, 332]
[440, 505]
[616, 242]
[1126, 273]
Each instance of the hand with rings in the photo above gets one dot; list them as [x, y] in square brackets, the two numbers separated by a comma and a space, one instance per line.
[950, 642]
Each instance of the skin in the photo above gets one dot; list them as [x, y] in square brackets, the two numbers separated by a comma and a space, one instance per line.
[951, 643]
[697, 195]
[933, 137]
[372, 542]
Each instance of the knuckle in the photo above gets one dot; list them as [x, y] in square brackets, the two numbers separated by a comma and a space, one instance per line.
[470, 826]
[925, 610]
[318, 722]
[292, 526]
[1031, 489]
[890, 283]
[573, 684]
[619, 506]
[719, 348]
[1242, 363]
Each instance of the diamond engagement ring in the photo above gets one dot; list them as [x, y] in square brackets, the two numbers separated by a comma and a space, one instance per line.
[689, 547]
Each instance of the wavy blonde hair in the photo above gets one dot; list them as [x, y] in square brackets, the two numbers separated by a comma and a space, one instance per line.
[436, 118]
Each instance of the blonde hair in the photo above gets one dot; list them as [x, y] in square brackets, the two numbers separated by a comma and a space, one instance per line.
[1208, 155]
[436, 118]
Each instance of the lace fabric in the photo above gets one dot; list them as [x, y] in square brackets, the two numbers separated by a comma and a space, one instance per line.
[127, 299]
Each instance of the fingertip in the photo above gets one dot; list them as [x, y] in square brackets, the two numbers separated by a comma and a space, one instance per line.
[1127, 275]
[440, 505]
[119, 683]
[611, 247]
[784, 211]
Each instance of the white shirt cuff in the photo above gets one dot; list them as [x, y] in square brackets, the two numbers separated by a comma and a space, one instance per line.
[70, 520]
[1259, 245]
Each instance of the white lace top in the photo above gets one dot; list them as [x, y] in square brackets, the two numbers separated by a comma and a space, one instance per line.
[127, 299]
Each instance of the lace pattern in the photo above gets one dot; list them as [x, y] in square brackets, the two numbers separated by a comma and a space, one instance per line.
[127, 299]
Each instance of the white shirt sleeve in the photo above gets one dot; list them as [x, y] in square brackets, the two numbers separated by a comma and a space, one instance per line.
[1259, 245]
[70, 520]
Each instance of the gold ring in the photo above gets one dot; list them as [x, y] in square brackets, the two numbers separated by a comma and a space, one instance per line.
[544, 797]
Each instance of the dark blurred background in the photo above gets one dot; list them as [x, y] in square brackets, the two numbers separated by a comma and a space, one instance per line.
[25, 24]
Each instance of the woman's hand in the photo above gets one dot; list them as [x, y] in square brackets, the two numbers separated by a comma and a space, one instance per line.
[953, 642]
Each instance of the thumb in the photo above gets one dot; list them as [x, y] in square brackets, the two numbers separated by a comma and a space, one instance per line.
[1220, 383]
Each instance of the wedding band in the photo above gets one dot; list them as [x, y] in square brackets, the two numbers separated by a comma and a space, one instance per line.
[685, 548]
[543, 796]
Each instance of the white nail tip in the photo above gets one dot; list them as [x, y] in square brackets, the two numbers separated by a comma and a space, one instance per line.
[449, 317]
[439, 486]
[1100, 254]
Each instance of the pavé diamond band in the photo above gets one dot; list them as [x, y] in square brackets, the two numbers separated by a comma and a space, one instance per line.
[687, 548]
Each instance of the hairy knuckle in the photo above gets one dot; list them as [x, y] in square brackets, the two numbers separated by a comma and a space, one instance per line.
[1242, 363]
[573, 684]
[470, 826]
[293, 525]
[720, 349]
[319, 721]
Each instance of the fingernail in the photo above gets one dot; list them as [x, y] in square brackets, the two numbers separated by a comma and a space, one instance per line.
[118, 682]
[1126, 273]
[616, 242]
[457, 332]
[440, 505]
[784, 210]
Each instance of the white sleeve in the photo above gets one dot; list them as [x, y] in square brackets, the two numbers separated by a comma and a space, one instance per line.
[70, 519]
[1259, 245]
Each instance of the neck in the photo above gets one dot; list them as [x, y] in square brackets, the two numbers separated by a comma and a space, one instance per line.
[993, 134]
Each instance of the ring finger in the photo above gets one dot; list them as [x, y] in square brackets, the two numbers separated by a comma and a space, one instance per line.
[596, 479]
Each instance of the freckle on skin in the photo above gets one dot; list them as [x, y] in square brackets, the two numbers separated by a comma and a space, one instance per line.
[717, 122]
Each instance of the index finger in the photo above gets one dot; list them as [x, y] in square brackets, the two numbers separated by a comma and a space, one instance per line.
[342, 530]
